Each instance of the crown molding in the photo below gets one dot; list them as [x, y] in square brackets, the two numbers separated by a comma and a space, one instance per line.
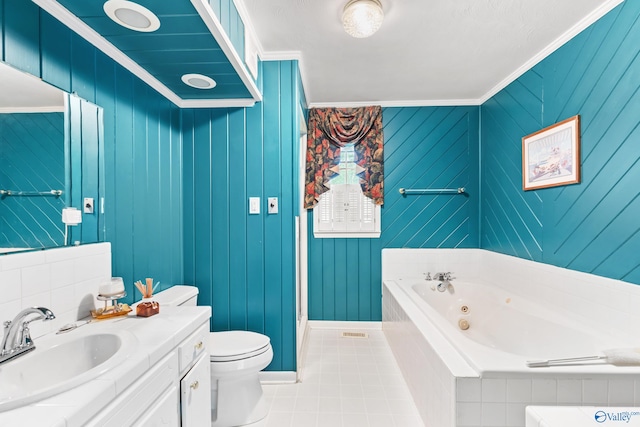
[552, 47]
[406, 103]
[548, 50]
[41, 109]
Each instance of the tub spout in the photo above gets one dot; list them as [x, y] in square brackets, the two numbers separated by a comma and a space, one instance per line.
[445, 281]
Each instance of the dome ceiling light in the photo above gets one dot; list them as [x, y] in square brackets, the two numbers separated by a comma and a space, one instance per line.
[362, 18]
[131, 15]
[198, 81]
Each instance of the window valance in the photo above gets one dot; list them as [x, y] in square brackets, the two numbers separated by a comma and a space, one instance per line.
[329, 129]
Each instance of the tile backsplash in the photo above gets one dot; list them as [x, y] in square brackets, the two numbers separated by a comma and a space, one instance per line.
[65, 280]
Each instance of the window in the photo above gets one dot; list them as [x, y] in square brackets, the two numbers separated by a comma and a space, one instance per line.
[344, 211]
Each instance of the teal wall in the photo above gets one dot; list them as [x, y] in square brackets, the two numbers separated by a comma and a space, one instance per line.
[424, 147]
[231, 22]
[592, 226]
[31, 222]
[142, 141]
[243, 264]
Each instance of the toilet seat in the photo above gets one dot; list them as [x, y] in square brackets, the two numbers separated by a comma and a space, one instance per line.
[229, 346]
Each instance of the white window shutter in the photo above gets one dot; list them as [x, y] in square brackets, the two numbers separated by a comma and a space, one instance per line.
[323, 214]
[344, 211]
[368, 214]
[340, 207]
[355, 203]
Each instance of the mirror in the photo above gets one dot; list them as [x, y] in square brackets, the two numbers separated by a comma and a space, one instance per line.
[50, 159]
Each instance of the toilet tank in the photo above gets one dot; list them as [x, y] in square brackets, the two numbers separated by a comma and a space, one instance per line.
[177, 295]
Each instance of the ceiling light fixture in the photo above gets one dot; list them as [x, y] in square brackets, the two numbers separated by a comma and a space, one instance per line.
[362, 18]
[131, 15]
[199, 81]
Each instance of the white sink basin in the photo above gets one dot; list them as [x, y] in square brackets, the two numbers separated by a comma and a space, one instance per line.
[61, 363]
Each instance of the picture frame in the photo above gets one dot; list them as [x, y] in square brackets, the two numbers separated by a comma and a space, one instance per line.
[551, 156]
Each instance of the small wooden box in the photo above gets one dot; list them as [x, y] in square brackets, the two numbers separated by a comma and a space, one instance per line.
[147, 308]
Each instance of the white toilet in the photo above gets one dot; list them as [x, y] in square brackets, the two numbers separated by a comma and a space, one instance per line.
[236, 359]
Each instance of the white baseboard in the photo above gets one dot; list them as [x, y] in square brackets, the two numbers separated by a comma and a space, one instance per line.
[332, 324]
[277, 377]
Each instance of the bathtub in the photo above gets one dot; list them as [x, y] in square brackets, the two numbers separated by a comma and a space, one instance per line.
[463, 351]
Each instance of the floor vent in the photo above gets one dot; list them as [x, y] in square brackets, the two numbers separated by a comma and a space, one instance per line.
[355, 335]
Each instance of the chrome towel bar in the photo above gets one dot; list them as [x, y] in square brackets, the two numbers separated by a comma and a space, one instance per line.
[459, 190]
[55, 193]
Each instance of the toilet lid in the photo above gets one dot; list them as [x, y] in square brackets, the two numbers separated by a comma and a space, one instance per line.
[236, 345]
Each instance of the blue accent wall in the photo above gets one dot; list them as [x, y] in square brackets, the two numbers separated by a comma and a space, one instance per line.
[243, 264]
[231, 22]
[592, 226]
[31, 222]
[142, 149]
[424, 147]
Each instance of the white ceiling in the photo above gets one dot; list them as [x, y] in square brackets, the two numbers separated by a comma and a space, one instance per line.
[21, 92]
[427, 52]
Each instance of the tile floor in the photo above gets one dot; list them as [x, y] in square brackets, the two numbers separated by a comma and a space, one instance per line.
[345, 382]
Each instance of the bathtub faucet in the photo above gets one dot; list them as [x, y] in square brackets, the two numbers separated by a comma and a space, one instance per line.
[445, 281]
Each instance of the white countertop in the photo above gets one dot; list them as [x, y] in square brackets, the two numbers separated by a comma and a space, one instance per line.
[155, 337]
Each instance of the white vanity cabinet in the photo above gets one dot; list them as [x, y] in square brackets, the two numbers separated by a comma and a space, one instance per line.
[140, 400]
[161, 378]
[176, 391]
[195, 384]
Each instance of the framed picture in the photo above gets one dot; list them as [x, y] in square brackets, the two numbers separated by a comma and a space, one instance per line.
[551, 156]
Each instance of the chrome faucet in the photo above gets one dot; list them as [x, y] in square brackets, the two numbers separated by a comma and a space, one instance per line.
[16, 338]
[445, 281]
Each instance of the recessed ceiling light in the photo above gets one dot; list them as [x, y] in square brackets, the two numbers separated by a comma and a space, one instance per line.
[131, 15]
[199, 81]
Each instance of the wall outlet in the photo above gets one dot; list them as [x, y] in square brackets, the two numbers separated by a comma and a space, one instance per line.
[88, 205]
[273, 205]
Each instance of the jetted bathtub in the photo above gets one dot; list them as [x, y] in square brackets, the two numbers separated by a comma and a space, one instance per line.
[463, 351]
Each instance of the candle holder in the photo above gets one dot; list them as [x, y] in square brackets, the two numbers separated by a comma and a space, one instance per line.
[113, 310]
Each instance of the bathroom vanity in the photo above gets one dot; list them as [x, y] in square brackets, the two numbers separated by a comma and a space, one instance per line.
[156, 373]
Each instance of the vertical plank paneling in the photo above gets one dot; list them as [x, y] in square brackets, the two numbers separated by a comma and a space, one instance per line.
[83, 68]
[121, 197]
[21, 31]
[35, 42]
[189, 199]
[237, 220]
[286, 211]
[56, 61]
[141, 223]
[2, 5]
[273, 237]
[220, 200]
[255, 225]
[245, 263]
[425, 147]
[90, 168]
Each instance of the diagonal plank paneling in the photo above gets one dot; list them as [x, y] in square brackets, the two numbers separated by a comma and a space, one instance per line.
[32, 159]
[591, 226]
[425, 147]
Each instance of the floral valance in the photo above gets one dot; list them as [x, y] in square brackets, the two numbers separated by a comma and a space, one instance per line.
[329, 129]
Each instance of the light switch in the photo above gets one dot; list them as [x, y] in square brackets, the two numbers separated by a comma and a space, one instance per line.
[273, 205]
[254, 205]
